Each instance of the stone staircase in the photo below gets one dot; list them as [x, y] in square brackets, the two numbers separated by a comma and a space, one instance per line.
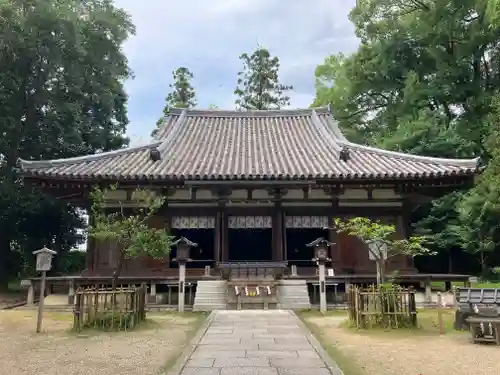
[210, 295]
[293, 294]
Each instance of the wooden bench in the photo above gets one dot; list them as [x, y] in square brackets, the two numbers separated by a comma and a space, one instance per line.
[476, 302]
[484, 329]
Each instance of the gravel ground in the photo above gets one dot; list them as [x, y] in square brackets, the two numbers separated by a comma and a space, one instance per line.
[387, 354]
[58, 352]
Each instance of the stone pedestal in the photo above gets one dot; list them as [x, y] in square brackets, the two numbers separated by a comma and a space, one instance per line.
[71, 292]
[30, 300]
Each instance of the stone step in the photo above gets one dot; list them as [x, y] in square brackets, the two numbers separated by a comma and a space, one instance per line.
[203, 299]
[253, 300]
[293, 294]
[209, 290]
[212, 282]
[213, 294]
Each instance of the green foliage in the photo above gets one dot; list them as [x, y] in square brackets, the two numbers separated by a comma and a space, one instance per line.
[182, 95]
[258, 84]
[375, 232]
[424, 81]
[479, 212]
[73, 263]
[131, 231]
[61, 89]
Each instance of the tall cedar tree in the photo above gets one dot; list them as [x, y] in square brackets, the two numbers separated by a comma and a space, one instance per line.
[61, 89]
[182, 95]
[258, 84]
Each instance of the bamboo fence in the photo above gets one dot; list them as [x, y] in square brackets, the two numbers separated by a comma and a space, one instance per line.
[382, 307]
[110, 310]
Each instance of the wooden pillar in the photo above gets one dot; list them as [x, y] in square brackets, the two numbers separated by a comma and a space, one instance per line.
[332, 237]
[224, 236]
[91, 261]
[168, 228]
[218, 236]
[285, 245]
[277, 228]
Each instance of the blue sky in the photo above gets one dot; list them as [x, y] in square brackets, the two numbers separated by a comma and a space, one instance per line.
[207, 36]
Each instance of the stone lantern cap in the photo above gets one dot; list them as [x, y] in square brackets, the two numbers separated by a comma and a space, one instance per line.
[183, 247]
[45, 250]
[320, 246]
[184, 241]
[320, 242]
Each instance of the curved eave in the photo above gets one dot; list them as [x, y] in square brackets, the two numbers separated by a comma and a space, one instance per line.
[32, 165]
[215, 178]
[467, 164]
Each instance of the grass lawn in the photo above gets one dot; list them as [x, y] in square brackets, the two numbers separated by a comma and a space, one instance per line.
[440, 285]
[151, 349]
[406, 351]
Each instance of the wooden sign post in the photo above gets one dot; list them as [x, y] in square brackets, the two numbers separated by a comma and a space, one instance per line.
[43, 264]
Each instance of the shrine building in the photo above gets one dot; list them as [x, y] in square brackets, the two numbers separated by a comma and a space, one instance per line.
[254, 186]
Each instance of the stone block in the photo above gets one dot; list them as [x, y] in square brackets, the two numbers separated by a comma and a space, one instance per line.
[242, 362]
[307, 354]
[297, 362]
[200, 362]
[218, 354]
[272, 353]
[219, 341]
[303, 371]
[200, 371]
[248, 371]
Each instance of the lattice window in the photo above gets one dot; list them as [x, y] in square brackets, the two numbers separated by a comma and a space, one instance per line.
[193, 222]
[247, 222]
[306, 222]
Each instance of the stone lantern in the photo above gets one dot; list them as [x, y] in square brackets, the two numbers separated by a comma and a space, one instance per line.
[321, 246]
[183, 247]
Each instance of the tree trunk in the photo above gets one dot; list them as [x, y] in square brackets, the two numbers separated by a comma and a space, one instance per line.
[5, 260]
[118, 270]
[380, 271]
[483, 262]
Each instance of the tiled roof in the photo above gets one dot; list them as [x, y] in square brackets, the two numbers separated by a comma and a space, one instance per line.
[225, 145]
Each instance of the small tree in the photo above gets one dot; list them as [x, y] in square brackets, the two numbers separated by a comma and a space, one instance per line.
[132, 232]
[381, 242]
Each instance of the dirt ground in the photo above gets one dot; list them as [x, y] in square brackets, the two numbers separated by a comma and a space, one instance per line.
[57, 351]
[394, 353]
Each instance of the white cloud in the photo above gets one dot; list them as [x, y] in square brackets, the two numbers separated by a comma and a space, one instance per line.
[208, 36]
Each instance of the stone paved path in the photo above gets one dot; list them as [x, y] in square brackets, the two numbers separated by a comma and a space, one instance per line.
[255, 342]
